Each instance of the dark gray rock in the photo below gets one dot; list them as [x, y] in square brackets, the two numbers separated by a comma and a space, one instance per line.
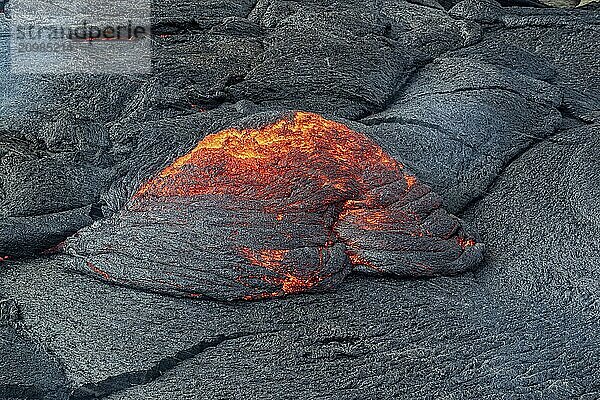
[496, 108]
[28, 371]
[458, 105]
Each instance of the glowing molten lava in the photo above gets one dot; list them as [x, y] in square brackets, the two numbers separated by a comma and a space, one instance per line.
[288, 280]
[286, 208]
[271, 162]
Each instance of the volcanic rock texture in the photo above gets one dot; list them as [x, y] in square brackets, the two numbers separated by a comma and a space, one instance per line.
[495, 108]
[286, 208]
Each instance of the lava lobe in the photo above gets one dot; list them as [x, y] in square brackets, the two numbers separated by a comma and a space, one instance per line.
[290, 207]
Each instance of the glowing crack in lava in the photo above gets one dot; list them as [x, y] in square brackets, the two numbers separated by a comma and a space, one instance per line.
[289, 207]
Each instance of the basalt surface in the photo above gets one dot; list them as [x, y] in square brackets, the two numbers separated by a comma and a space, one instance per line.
[493, 106]
[286, 208]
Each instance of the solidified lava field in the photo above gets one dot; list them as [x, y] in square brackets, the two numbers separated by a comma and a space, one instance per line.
[305, 199]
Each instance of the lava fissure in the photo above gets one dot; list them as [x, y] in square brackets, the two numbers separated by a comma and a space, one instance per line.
[126, 380]
[291, 207]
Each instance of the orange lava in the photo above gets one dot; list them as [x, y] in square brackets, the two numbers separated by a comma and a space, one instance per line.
[272, 259]
[329, 162]
[267, 163]
[410, 181]
[382, 219]
[293, 284]
[464, 243]
[301, 162]
[290, 284]
[98, 271]
[355, 259]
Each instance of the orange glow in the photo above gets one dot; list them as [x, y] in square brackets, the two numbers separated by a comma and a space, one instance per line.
[382, 219]
[289, 284]
[464, 243]
[293, 284]
[301, 162]
[410, 181]
[264, 163]
[355, 259]
[98, 271]
[270, 259]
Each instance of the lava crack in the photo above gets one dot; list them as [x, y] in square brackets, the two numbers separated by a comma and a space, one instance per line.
[290, 207]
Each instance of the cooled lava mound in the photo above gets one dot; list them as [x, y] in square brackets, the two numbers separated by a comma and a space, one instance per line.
[290, 207]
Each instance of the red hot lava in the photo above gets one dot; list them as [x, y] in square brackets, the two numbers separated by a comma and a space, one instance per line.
[304, 165]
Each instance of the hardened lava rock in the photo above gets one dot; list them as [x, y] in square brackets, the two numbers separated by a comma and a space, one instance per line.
[289, 207]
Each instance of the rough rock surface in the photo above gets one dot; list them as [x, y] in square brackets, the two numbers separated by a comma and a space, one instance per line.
[496, 108]
[288, 207]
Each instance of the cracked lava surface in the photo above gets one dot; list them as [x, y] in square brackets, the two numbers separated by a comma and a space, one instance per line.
[290, 207]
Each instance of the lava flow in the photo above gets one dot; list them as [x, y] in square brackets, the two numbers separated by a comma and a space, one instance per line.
[266, 163]
[291, 207]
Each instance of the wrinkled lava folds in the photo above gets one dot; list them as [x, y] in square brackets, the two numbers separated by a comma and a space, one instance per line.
[289, 207]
